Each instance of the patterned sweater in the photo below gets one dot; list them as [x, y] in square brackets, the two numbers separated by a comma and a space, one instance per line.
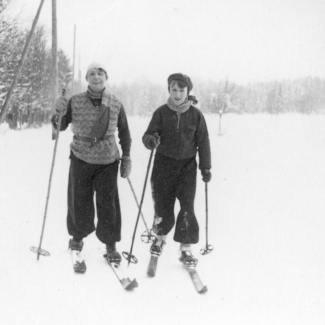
[85, 114]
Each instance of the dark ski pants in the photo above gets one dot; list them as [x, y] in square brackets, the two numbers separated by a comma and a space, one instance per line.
[84, 180]
[173, 179]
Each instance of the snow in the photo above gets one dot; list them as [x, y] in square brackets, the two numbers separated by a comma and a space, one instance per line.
[266, 223]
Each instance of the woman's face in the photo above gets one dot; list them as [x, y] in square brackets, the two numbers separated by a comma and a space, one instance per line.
[96, 79]
[177, 95]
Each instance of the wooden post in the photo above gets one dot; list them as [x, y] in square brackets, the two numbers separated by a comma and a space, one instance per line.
[79, 77]
[20, 65]
[54, 52]
[74, 57]
[54, 63]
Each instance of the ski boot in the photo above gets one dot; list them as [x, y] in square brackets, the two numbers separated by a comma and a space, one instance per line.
[76, 245]
[187, 257]
[158, 245]
[113, 256]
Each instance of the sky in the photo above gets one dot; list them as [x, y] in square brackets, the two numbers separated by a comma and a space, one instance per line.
[244, 41]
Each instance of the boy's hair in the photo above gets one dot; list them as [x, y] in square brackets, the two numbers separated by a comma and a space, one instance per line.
[182, 81]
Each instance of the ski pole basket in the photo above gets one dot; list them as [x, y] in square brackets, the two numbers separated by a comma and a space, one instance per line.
[130, 258]
[39, 251]
[206, 250]
[147, 237]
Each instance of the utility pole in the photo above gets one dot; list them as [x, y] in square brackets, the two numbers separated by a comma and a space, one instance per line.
[20, 65]
[54, 62]
[54, 53]
[74, 57]
[79, 77]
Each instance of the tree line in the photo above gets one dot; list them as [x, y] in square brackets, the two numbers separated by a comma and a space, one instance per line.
[31, 102]
[304, 95]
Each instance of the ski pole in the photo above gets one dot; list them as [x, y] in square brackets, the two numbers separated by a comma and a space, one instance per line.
[208, 248]
[126, 255]
[146, 237]
[38, 249]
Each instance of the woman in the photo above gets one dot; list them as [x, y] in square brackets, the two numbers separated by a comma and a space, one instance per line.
[95, 115]
[178, 130]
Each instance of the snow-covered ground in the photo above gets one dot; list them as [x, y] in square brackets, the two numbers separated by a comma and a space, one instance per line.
[266, 223]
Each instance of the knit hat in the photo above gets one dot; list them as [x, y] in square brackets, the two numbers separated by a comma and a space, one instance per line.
[181, 77]
[96, 65]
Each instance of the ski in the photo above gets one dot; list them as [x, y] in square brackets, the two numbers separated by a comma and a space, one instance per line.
[126, 283]
[199, 286]
[78, 262]
[152, 267]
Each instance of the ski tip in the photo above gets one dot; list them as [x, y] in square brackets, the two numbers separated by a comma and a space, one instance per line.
[151, 273]
[80, 267]
[204, 289]
[152, 267]
[133, 284]
[128, 284]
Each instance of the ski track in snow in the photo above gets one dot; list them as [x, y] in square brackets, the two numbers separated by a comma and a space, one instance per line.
[266, 223]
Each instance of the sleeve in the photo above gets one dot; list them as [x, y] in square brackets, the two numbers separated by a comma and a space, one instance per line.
[203, 143]
[124, 132]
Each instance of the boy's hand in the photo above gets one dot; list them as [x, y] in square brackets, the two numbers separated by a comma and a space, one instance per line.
[206, 175]
[152, 141]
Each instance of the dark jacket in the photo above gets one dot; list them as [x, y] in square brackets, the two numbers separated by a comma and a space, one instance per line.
[181, 135]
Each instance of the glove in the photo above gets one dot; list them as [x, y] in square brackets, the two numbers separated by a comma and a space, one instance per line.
[125, 167]
[61, 105]
[55, 120]
[206, 175]
[152, 141]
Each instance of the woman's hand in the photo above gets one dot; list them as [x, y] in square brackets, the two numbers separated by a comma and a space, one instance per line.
[125, 166]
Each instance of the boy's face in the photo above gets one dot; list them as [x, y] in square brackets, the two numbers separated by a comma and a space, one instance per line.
[96, 79]
[177, 95]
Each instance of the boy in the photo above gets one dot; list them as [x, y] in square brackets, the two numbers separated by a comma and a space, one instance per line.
[177, 131]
